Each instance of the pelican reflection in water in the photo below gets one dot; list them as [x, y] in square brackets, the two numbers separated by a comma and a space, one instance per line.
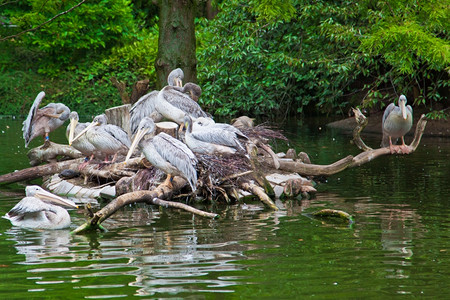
[42, 121]
[166, 153]
[397, 121]
[108, 139]
[40, 210]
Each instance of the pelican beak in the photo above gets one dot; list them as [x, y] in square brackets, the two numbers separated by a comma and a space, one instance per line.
[93, 124]
[178, 82]
[73, 124]
[402, 105]
[139, 135]
[56, 116]
[54, 199]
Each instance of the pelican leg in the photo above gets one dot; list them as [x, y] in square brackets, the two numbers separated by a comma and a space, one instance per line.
[391, 147]
[404, 148]
[114, 157]
[46, 141]
[86, 162]
[168, 181]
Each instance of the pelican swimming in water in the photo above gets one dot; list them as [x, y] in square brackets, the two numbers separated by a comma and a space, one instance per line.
[146, 105]
[40, 210]
[165, 153]
[42, 121]
[213, 138]
[108, 139]
[397, 121]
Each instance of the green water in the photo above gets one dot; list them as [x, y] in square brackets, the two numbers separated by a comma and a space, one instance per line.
[397, 247]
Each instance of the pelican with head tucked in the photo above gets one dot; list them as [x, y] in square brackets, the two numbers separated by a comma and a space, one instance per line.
[145, 106]
[166, 153]
[213, 138]
[175, 102]
[40, 210]
[42, 121]
[397, 121]
[106, 138]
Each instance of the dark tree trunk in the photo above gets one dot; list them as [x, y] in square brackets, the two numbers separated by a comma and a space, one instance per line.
[176, 44]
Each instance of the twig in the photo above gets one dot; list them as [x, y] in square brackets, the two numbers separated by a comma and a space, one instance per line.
[186, 207]
[259, 192]
[46, 22]
[361, 122]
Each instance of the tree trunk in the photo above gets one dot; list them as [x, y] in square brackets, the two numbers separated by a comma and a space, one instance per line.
[176, 44]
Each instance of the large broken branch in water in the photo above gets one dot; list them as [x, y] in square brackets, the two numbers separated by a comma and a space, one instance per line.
[370, 154]
[350, 161]
[153, 197]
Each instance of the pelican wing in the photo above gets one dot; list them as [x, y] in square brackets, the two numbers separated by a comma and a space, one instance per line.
[29, 205]
[388, 111]
[409, 110]
[217, 136]
[183, 102]
[28, 123]
[144, 107]
[164, 143]
[177, 154]
[118, 133]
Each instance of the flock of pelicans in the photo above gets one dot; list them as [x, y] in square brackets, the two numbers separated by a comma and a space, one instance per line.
[43, 210]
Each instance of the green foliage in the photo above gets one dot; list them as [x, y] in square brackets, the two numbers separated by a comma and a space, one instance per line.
[255, 57]
[78, 73]
[325, 56]
[410, 48]
[86, 31]
[272, 10]
[280, 67]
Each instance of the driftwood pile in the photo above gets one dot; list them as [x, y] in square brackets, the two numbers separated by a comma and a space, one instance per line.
[226, 179]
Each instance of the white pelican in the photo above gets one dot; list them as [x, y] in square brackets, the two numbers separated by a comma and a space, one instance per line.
[213, 138]
[397, 121]
[40, 210]
[174, 102]
[42, 121]
[166, 153]
[145, 106]
[107, 138]
[82, 144]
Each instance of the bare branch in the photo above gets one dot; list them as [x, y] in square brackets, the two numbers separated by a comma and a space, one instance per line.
[39, 26]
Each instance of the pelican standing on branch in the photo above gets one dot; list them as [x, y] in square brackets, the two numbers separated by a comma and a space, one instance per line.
[107, 138]
[42, 121]
[40, 210]
[397, 121]
[166, 153]
[145, 106]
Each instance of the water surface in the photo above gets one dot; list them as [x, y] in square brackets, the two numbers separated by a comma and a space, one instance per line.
[397, 246]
